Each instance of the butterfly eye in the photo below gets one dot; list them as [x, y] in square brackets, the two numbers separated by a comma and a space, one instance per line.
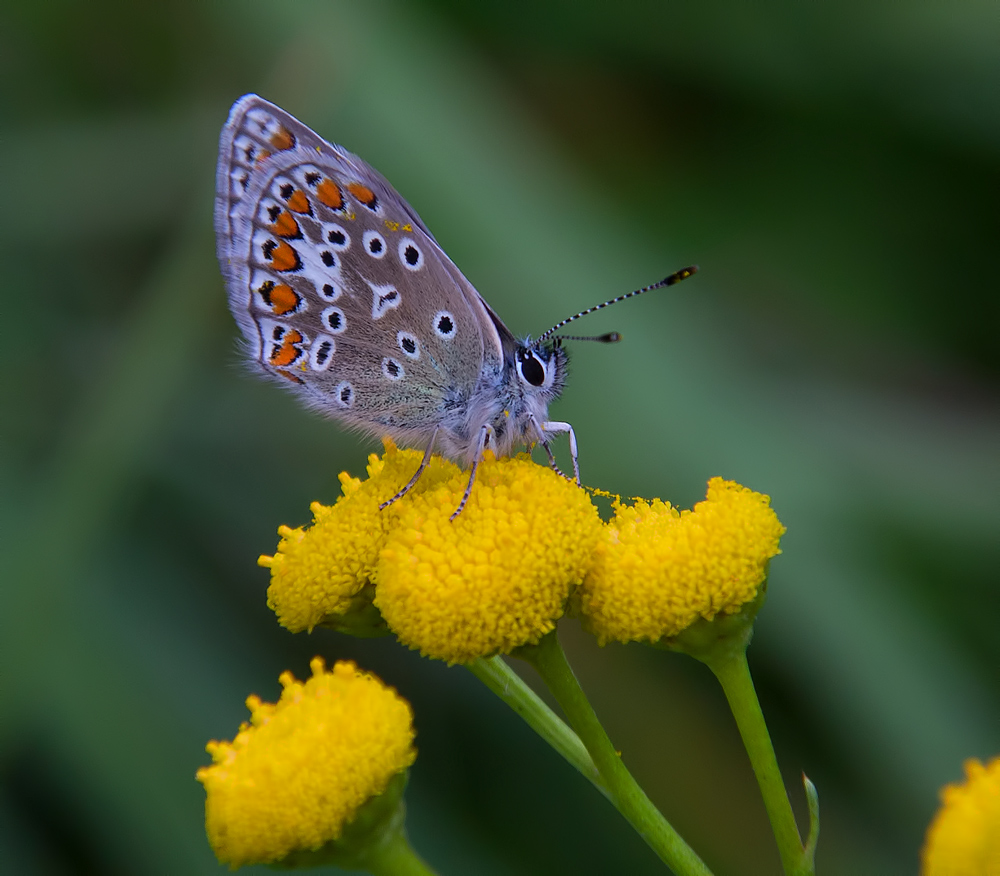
[530, 369]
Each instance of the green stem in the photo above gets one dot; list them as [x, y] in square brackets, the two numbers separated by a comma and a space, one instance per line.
[510, 687]
[623, 791]
[731, 669]
[397, 858]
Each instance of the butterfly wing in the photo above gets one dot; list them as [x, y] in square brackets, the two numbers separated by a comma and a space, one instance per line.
[338, 287]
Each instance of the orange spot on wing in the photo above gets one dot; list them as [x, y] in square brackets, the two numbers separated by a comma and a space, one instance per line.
[329, 193]
[287, 351]
[282, 139]
[284, 258]
[289, 376]
[362, 193]
[285, 225]
[282, 299]
[298, 202]
[263, 154]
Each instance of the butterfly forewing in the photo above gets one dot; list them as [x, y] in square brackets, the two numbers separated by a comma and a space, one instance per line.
[336, 284]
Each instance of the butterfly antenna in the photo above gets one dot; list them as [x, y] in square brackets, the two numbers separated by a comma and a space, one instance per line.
[608, 338]
[612, 337]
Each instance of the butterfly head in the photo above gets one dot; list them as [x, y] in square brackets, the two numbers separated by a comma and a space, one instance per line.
[516, 406]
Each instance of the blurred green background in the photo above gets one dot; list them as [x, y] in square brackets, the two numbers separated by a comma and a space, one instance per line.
[834, 170]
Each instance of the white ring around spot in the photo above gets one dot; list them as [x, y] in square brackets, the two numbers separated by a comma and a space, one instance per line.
[316, 349]
[325, 317]
[328, 229]
[402, 337]
[341, 390]
[409, 243]
[388, 365]
[371, 236]
[334, 293]
[442, 314]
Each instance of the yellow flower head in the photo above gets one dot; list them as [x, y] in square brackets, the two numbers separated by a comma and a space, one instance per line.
[302, 768]
[323, 573]
[496, 577]
[964, 837]
[658, 570]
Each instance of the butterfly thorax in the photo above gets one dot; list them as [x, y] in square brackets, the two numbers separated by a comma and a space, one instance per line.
[513, 401]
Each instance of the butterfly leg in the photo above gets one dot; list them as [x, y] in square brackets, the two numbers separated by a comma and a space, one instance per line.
[485, 434]
[552, 459]
[556, 426]
[420, 470]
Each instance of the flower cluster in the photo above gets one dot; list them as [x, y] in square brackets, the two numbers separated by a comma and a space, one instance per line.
[658, 570]
[319, 575]
[528, 545]
[301, 770]
[964, 837]
[499, 575]
[317, 778]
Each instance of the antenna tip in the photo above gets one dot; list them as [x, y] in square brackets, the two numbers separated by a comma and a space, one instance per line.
[609, 338]
[682, 274]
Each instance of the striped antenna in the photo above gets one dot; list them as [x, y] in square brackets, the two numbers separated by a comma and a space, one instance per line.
[675, 277]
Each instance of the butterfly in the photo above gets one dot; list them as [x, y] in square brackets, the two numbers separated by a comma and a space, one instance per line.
[343, 295]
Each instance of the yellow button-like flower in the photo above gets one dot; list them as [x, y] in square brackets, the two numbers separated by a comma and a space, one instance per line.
[964, 837]
[658, 570]
[299, 772]
[323, 573]
[498, 575]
